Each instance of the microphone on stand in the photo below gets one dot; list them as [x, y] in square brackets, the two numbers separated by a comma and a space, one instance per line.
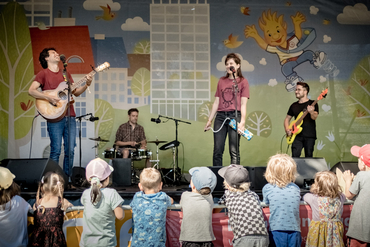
[63, 59]
[92, 118]
[156, 120]
[232, 69]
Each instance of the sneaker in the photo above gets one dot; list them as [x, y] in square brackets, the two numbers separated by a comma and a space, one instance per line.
[319, 59]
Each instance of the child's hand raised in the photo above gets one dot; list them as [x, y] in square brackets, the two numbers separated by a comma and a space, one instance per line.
[348, 176]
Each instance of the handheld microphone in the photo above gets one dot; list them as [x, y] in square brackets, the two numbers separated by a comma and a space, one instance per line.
[156, 120]
[92, 118]
[232, 69]
[63, 59]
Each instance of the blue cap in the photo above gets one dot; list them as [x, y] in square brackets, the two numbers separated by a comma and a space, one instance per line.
[203, 177]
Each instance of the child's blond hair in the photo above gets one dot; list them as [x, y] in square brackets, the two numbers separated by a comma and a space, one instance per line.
[52, 183]
[326, 185]
[242, 188]
[281, 170]
[150, 178]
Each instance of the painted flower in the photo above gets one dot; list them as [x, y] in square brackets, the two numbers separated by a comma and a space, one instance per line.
[320, 145]
[330, 136]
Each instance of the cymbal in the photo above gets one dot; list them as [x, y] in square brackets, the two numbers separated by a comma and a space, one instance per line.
[98, 139]
[156, 142]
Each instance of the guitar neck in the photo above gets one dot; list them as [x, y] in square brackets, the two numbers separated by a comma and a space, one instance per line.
[305, 113]
[81, 81]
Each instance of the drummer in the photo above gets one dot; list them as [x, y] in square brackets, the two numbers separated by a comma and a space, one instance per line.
[131, 135]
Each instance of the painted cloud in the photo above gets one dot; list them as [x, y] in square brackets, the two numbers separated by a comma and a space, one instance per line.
[95, 5]
[136, 24]
[355, 15]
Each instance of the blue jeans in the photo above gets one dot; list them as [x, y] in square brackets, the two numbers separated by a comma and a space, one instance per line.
[58, 131]
[288, 68]
[219, 138]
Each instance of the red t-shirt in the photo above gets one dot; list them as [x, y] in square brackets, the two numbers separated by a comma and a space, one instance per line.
[225, 91]
[50, 80]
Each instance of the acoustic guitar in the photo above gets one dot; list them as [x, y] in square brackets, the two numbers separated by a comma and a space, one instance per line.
[295, 125]
[54, 113]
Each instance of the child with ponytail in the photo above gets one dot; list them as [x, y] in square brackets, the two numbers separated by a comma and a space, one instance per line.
[102, 206]
[49, 212]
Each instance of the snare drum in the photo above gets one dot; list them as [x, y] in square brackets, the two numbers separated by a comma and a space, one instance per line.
[111, 154]
[141, 154]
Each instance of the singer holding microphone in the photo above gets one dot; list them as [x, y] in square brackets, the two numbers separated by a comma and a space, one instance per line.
[224, 107]
[48, 79]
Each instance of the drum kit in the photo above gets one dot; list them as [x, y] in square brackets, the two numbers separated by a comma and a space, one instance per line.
[138, 154]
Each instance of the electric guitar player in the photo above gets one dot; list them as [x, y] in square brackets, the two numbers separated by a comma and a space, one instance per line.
[301, 132]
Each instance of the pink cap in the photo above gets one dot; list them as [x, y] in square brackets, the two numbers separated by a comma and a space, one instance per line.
[98, 168]
[362, 152]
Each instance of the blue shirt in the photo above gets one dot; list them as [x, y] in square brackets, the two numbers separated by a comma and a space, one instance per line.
[284, 207]
[149, 219]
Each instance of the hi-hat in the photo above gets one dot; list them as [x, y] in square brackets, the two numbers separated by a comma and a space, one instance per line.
[156, 142]
[98, 139]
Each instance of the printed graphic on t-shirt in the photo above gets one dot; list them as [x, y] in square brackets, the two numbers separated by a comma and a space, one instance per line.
[227, 96]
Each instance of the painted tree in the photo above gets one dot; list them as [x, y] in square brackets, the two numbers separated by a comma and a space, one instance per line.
[140, 83]
[259, 123]
[204, 111]
[142, 47]
[105, 112]
[16, 75]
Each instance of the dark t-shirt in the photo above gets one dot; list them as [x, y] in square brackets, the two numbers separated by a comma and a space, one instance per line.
[50, 80]
[309, 125]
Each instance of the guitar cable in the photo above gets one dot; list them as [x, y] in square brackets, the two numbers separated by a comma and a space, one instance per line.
[33, 120]
[281, 145]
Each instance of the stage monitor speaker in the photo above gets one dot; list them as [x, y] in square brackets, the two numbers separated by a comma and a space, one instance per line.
[78, 176]
[28, 172]
[346, 165]
[307, 168]
[122, 172]
[220, 181]
[256, 177]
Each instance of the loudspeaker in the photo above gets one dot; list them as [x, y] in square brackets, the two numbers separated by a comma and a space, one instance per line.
[307, 168]
[256, 177]
[28, 172]
[122, 172]
[220, 181]
[78, 175]
[346, 165]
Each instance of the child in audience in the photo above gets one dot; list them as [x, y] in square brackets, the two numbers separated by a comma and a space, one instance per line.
[102, 206]
[326, 201]
[283, 197]
[13, 212]
[49, 212]
[244, 207]
[197, 206]
[149, 210]
[359, 224]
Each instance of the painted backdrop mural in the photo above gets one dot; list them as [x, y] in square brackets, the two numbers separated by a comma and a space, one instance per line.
[166, 58]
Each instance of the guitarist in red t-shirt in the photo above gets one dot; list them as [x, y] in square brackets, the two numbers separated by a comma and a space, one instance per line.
[48, 79]
[307, 137]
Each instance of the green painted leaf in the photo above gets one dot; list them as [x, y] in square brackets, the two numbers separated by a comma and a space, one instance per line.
[140, 83]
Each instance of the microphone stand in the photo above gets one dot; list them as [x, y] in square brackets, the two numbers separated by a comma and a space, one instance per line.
[236, 90]
[79, 180]
[176, 157]
[68, 115]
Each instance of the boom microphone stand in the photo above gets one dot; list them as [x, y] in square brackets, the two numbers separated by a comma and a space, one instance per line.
[174, 144]
[79, 178]
[65, 75]
[236, 90]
